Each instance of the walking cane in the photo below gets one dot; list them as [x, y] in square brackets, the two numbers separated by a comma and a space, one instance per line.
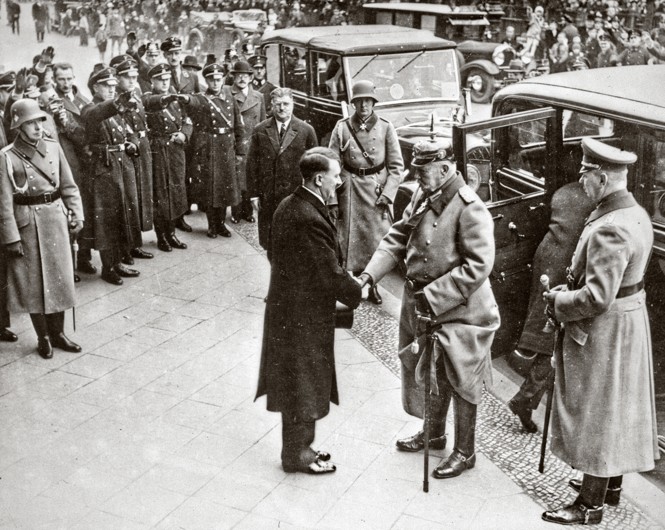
[75, 250]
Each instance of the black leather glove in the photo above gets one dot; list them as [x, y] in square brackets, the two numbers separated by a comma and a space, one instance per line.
[168, 99]
[383, 201]
[183, 99]
[131, 149]
[75, 227]
[126, 101]
[14, 250]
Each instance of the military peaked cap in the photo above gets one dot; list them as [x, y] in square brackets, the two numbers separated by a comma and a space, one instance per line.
[172, 44]
[214, 69]
[103, 75]
[428, 151]
[161, 70]
[598, 154]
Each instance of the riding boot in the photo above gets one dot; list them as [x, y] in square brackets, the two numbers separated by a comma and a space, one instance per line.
[587, 508]
[56, 326]
[41, 328]
[463, 456]
[437, 433]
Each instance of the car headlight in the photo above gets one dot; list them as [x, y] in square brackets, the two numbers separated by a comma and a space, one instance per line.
[499, 58]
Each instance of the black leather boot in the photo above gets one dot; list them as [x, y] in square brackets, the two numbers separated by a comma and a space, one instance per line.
[587, 508]
[463, 456]
[43, 342]
[523, 412]
[56, 326]
[437, 439]
[613, 494]
[162, 243]
[175, 242]
[183, 225]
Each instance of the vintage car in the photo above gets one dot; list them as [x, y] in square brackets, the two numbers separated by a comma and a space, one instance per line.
[485, 66]
[415, 74]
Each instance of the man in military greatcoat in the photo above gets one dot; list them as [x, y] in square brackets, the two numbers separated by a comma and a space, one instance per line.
[218, 144]
[275, 148]
[260, 83]
[604, 413]
[170, 129]
[297, 371]
[372, 168]
[116, 225]
[151, 57]
[134, 116]
[446, 239]
[253, 111]
[37, 193]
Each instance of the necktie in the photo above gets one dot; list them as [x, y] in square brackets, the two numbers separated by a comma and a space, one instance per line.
[282, 131]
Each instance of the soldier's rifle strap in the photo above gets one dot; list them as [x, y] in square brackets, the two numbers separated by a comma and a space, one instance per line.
[219, 111]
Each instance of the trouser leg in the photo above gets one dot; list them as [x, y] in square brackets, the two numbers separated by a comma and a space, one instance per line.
[109, 259]
[40, 325]
[537, 381]
[465, 426]
[593, 490]
[55, 323]
[297, 437]
[615, 482]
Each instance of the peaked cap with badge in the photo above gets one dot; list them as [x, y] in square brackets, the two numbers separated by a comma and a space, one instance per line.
[172, 44]
[599, 155]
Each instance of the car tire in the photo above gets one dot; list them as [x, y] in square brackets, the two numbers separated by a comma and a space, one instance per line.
[481, 85]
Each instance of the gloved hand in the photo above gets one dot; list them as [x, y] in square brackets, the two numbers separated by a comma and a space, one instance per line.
[365, 279]
[131, 149]
[48, 54]
[178, 138]
[15, 250]
[126, 101]
[333, 212]
[168, 99]
[75, 227]
[383, 201]
[183, 99]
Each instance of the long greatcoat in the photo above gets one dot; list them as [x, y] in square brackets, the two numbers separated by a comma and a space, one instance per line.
[297, 361]
[604, 414]
[168, 158]
[116, 223]
[450, 250]
[253, 111]
[361, 223]
[42, 281]
[214, 179]
[272, 167]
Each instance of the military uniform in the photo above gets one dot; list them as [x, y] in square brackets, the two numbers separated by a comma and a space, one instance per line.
[262, 86]
[446, 239]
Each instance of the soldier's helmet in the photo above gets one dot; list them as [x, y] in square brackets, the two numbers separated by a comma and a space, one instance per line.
[25, 110]
[428, 151]
[363, 89]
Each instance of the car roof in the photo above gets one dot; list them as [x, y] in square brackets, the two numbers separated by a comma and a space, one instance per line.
[432, 9]
[629, 92]
[360, 39]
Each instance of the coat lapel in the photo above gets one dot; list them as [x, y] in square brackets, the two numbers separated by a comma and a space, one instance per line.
[273, 135]
[291, 133]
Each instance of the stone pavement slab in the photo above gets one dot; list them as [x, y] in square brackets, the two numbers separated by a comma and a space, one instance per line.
[154, 424]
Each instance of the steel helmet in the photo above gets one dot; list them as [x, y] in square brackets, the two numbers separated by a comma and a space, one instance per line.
[25, 110]
[363, 89]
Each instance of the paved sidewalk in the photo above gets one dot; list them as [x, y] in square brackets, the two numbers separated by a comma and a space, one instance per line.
[154, 424]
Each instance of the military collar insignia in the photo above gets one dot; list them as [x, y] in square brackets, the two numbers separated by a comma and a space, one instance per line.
[614, 201]
[364, 125]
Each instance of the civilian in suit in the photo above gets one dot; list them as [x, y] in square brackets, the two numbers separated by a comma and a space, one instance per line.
[275, 148]
[297, 372]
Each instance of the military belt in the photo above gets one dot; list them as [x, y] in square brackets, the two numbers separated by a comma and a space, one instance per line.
[415, 285]
[364, 171]
[107, 148]
[630, 289]
[30, 200]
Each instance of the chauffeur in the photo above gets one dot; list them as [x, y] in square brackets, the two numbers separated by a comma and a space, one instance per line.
[37, 192]
[372, 168]
[604, 414]
[446, 237]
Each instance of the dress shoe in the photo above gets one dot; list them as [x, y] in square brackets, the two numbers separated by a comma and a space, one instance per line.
[323, 456]
[183, 225]
[111, 277]
[128, 260]
[211, 233]
[374, 296]
[456, 464]
[318, 467]
[86, 266]
[524, 414]
[139, 253]
[249, 218]
[126, 271]
[576, 513]
[44, 348]
[62, 342]
[175, 242]
[223, 231]
[163, 244]
[612, 496]
[7, 335]
[416, 443]
[234, 220]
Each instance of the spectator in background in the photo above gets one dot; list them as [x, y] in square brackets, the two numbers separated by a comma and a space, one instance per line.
[607, 55]
[635, 53]
[116, 31]
[101, 39]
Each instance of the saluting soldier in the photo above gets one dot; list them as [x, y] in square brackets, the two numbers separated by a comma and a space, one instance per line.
[372, 168]
[134, 117]
[604, 412]
[170, 129]
[116, 225]
[260, 83]
[253, 111]
[446, 239]
[37, 193]
[218, 142]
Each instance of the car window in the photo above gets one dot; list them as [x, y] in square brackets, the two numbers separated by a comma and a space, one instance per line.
[653, 163]
[295, 68]
[329, 82]
[578, 124]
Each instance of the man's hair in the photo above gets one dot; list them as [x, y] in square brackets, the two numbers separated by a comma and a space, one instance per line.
[62, 66]
[281, 92]
[316, 160]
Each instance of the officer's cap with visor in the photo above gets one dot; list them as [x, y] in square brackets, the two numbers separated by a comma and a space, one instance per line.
[598, 155]
[427, 151]
[160, 71]
[214, 70]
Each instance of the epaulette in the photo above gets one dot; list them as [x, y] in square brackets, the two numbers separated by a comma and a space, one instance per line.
[383, 119]
[6, 148]
[609, 218]
[467, 194]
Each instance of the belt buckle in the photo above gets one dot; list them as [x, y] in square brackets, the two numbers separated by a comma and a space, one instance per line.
[48, 197]
[361, 171]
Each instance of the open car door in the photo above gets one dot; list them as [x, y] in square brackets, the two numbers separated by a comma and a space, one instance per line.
[516, 179]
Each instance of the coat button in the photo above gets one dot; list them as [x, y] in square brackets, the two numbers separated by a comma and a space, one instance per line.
[50, 161]
[37, 208]
[435, 224]
[34, 188]
[428, 242]
[31, 177]
[425, 260]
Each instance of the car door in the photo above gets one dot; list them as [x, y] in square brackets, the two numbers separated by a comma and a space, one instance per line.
[523, 169]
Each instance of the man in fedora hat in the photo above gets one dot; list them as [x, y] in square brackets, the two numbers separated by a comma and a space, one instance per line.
[192, 66]
[372, 168]
[604, 414]
[253, 111]
[446, 239]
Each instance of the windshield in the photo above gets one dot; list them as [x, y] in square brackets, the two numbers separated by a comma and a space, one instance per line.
[248, 16]
[409, 76]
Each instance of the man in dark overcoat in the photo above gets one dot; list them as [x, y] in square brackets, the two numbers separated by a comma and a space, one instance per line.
[604, 412]
[217, 144]
[170, 129]
[275, 148]
[446, 239]
[297, 371]
[37, 193]
[116, 225]
[253, 111]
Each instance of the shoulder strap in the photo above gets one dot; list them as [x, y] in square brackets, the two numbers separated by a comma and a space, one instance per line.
[362, 148]
[26, 159]
[219, 111]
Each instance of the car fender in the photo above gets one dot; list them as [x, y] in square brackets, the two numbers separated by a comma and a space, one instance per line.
[485, 65]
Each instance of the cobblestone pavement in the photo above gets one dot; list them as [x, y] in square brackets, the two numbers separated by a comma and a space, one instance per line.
[500, 437]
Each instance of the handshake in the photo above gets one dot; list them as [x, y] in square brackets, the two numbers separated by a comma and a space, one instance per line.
[365, 281]
[173, 98]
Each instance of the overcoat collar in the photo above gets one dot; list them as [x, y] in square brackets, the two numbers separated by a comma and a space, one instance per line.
[35, 155]
[245, 101]
[357, 123]
[614, 201]
[448, 191]
[307, 196]
[28, 149]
